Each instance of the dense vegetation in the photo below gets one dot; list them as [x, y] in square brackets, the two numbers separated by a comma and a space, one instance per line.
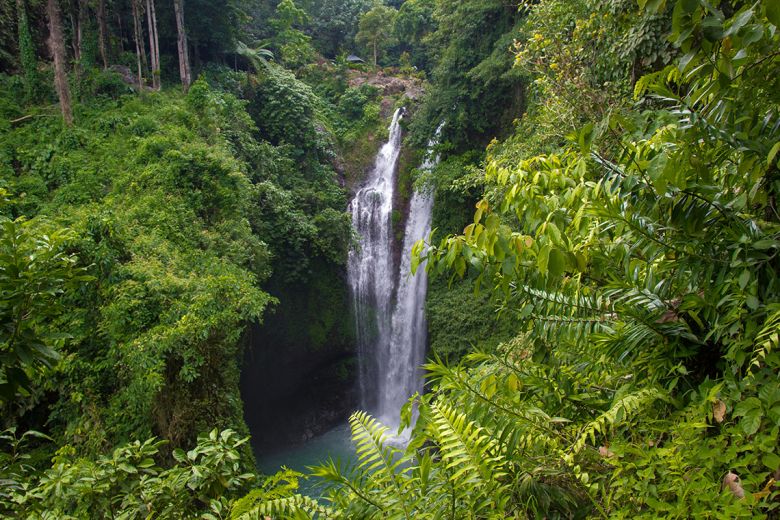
[604, 329]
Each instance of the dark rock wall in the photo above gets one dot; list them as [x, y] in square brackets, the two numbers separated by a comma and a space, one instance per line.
[299, 369]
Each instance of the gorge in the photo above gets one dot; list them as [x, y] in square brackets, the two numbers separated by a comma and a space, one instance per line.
[387, 304]
[206, 292]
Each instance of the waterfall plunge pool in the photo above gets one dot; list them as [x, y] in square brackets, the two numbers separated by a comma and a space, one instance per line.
[335, 444]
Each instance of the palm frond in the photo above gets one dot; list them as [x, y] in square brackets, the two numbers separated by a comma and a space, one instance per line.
[259, 58]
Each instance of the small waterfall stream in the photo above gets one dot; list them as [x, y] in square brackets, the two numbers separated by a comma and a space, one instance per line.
[391, 333]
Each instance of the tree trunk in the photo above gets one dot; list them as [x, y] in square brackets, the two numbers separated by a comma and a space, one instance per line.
[57, 46]
[184, 58]
[102, 32]
[81, 29]
[74, 30]
[121, 27]
[154, 43]
[139, 42]
[375, 55]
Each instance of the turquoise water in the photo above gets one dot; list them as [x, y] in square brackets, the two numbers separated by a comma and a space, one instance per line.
[335, 444]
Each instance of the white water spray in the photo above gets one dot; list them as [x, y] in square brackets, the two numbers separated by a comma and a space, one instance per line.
[391, 335]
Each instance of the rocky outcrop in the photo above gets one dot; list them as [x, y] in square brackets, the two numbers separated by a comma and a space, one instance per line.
[410, 87]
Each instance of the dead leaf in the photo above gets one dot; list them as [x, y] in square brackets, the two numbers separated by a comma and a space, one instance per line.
[766, 491]
[719, 410]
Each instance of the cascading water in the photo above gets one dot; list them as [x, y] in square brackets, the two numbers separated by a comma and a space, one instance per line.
[391, 335]
[370, 268]
[409, 327]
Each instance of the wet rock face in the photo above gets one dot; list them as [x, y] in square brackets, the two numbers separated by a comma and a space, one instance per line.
[387, 107]
[289, 402]
[298, 375]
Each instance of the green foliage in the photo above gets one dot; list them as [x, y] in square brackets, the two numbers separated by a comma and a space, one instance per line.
[294, 45]
[129, 483]
[413, 24]
[285, 109]
[257, 57]
[460, 321]
[277, 487]
[629, 231]
[353, 101]
[167, 199]
[213, 27]
[474, 89]
[635, 251]
[376, 29]
[335, 23]
[35, 272]
[27, 57]
[351, 114]
[8, 40]
[624, 253]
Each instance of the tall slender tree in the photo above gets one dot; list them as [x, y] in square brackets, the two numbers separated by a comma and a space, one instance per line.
[140, 53]
[184, 57]
[71, 13]
[103, 35]
[57, 46]
[376, 29]
[154, 43]
[81, 30]
[121, 26]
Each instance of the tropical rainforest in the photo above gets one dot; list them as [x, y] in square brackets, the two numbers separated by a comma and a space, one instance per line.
[603, 305]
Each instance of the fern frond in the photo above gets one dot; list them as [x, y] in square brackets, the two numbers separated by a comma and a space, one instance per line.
[468, 450]
[373, 450]
[619, 413]
[377, 457]
[766, 341]
[655, 80]
[259, 58]
[297, 507]
[332, 473]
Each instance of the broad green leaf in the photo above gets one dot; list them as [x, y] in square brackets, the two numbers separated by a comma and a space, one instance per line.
[543, 258]
[773, 152]
[744, 278]
[492, 222]
[751, 422]
[773, 11]
[739, 22]
[745, 407]
[689, 6]
[771, 461]
[557, 262]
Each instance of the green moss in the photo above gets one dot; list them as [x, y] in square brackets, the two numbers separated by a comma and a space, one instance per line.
[460, 321]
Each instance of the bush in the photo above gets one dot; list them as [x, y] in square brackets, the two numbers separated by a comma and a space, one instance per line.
[105, 84]
[354, 100]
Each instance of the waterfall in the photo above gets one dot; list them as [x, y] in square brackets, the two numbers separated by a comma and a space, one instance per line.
[391, 335]
[370, 268]
[406, 352]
